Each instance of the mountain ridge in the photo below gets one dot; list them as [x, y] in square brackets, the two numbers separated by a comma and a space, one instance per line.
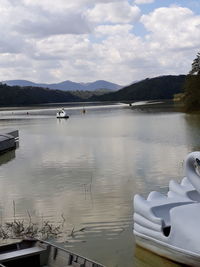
[67, 85]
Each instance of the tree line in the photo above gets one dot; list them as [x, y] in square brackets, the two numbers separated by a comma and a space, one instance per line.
[20, 96]
[192, 87]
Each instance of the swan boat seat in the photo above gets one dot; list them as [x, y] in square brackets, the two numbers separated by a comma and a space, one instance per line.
[184, 189]
[152, 216]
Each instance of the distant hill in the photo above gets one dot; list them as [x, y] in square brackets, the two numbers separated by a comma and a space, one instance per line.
[21, 96]
[163, 87]
[67, 85]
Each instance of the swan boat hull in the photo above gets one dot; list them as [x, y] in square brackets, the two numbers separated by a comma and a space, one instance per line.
[167, 251]
[62, 117]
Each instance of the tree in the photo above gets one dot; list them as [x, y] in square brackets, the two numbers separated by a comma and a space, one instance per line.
[192, 87]
[196, 65]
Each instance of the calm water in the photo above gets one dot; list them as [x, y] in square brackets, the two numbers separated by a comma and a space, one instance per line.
[88, 168]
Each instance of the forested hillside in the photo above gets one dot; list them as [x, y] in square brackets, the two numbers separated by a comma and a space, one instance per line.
[163, 87]
[19, 96]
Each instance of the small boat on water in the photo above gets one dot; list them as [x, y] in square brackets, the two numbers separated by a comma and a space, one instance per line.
[62, 114]
[37, 253]
[168, 225]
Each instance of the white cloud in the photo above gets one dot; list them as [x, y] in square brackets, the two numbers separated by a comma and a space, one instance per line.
[109, 30]
[54, 24]
[139, 2]
[118, 12]
[60, 5]
[172, 28]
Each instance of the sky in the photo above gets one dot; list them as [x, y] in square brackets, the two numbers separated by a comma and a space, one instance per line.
[121, 41]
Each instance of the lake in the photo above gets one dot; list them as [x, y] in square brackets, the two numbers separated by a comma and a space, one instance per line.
[87, 169]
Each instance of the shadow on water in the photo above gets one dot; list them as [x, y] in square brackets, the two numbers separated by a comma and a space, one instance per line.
[145, 258]
[7, 156]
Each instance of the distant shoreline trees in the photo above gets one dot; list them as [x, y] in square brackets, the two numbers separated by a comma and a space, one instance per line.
[192, 87]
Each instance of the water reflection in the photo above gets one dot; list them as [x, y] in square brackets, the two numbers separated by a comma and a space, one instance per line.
[88, 168]
[193, 130]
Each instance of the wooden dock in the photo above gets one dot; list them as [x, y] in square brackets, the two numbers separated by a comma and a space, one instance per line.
[8, 139]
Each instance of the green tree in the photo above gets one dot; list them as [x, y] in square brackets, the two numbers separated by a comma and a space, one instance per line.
[196, 65]
[192, 87]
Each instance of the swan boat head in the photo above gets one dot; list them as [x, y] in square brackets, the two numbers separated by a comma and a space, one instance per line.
[192, 163]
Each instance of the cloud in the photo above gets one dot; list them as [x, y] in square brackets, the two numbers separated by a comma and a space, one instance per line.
[116, 12]
[109, 30]
[13, 44]
[54, 24]
[172, 28]
[60, 5]
[139, 2]
[42, 18]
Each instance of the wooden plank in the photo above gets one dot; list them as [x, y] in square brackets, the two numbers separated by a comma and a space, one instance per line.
[21, 253]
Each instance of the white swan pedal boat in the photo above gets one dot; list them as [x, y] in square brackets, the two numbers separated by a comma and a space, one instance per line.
[62, 114]
[169, 225]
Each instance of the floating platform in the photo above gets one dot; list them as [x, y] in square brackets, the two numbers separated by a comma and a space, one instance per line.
[13, 132]
[8, 139]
